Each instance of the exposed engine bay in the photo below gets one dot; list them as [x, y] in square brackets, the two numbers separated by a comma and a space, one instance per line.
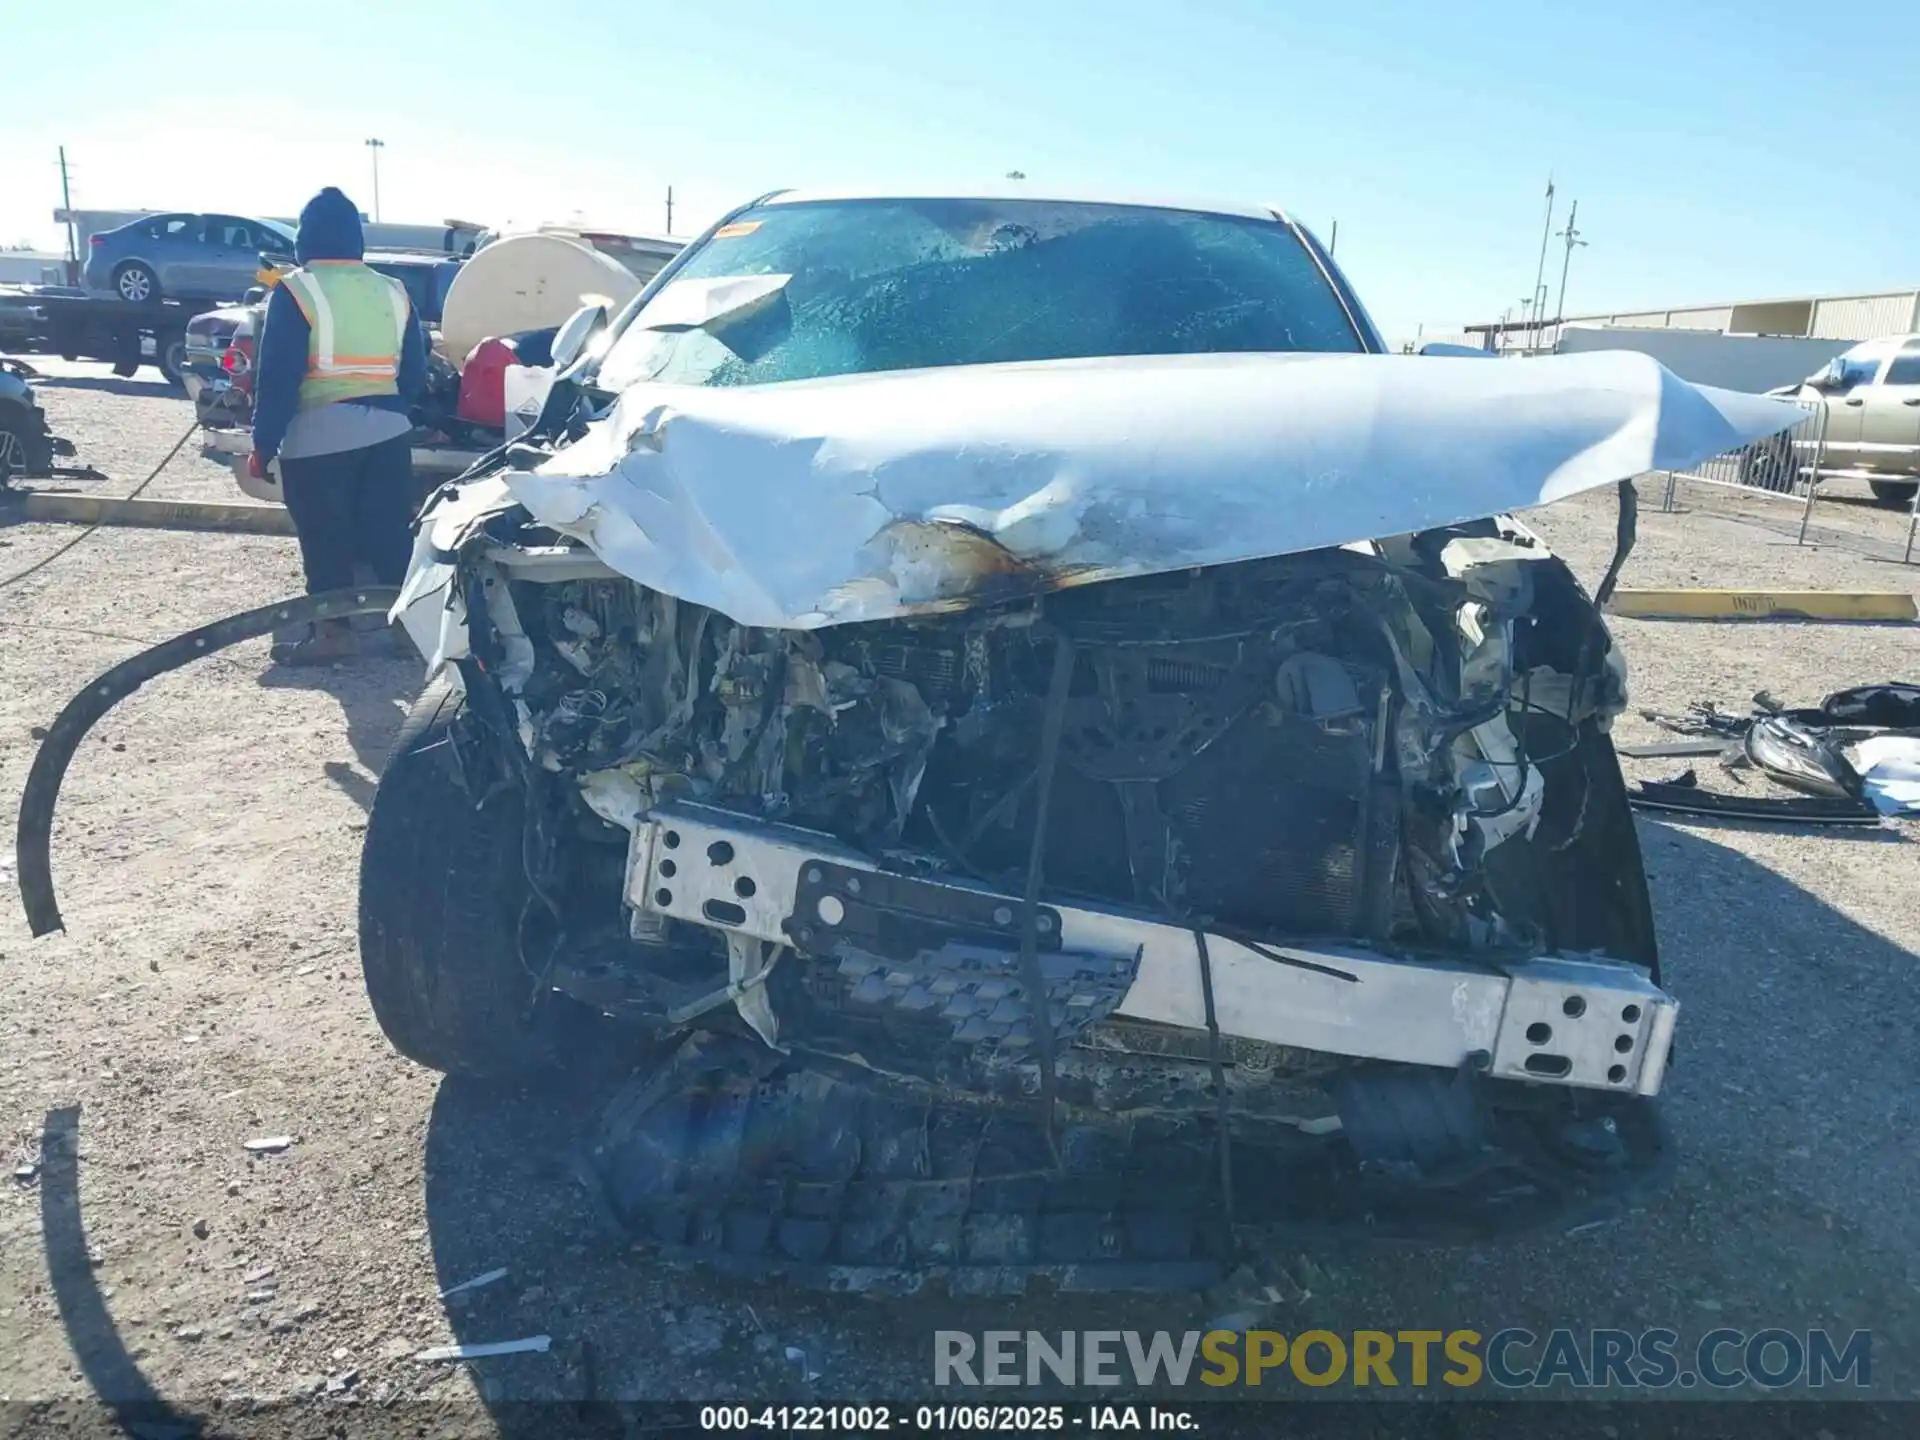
[1314, 851]
[1319, 746]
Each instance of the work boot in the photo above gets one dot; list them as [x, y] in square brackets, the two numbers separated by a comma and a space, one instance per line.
[331, 640]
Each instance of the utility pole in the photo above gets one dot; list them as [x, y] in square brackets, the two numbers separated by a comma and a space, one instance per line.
[375, 147]
[1540, 270]
[1572, 237]
[66, 204]
[1333, 240]
[669, 210]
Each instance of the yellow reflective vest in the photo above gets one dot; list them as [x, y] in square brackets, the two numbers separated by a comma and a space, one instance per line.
[357, 322]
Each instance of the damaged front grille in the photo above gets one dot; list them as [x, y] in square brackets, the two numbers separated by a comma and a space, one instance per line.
[1239, 775]
[1251, 745]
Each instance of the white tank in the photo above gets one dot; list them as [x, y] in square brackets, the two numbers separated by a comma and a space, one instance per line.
[527, 282]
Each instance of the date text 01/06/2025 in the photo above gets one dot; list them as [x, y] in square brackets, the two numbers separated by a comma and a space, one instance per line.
[942, 1419]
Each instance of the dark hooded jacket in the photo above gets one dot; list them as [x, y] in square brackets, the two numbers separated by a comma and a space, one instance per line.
[329, 230]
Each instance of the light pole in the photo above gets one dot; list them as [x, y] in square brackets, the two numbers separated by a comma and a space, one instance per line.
[1572, 237]
[73, 242]
[376, 146]
[1540, 270]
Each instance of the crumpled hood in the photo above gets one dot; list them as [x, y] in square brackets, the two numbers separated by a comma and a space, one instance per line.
[863, 497]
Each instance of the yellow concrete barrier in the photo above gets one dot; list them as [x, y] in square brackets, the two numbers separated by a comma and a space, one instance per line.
[1763, 604]
[156, 514]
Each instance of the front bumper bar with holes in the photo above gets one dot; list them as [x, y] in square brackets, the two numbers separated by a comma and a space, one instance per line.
[1563, 1020]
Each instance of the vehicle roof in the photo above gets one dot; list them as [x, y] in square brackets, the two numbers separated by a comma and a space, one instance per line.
[410, 257]
[1016, 190]
[1879, 345]
[160, 215]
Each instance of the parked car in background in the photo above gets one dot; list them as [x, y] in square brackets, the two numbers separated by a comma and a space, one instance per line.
[213, 257]
[1872, 398]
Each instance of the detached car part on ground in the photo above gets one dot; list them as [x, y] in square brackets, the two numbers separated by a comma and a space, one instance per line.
[27, 446]
[1054, 739]
[1807, 750]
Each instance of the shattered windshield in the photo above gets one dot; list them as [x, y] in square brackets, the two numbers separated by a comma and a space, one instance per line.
[907, 284]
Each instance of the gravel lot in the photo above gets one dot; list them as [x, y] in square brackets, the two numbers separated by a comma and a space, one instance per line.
[208, 993]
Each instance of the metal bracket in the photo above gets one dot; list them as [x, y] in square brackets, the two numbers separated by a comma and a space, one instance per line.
[1583, 1022]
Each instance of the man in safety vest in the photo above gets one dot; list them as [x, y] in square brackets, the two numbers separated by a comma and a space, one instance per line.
[340, 359]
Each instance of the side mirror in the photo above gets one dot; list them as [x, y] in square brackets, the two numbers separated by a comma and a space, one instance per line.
[254, 296]
[571, 340]
[1834, 377]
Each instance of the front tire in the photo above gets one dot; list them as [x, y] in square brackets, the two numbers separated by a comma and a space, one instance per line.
[16, 449]
[1897, 493]
[441, 888]
[136, 283]
[1771, 464]
[171, 360]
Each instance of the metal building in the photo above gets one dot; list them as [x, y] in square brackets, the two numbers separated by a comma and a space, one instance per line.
[1819, 317]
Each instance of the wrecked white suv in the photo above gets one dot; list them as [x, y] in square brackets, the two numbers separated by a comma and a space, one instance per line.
[1049, 738]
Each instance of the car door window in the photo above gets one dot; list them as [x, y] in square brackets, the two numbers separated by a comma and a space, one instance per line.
[1893, 417]
[178, 251]
[226, 234]
[1905, 369]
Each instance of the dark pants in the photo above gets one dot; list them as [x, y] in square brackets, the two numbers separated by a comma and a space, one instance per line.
[353, 507]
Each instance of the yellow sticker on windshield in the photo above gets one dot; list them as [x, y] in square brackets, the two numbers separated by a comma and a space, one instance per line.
[738, 227]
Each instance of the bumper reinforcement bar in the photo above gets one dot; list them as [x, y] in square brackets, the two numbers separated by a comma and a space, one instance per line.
[1576, 1020]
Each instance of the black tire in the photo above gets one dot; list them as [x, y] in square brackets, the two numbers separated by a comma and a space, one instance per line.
[1897, 493]
[16, 448]
[1771, 464]
[441, 886]
[170, 359]
[135, 282]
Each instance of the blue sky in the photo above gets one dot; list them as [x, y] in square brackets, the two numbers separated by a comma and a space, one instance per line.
[1718, 150]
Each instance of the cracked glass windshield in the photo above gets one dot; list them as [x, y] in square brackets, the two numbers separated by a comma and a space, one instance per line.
[907, 284]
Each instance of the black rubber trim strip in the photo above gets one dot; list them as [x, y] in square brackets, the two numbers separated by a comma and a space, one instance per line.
[32, 844]
[1801, 809]
[1222, 1108]
[1626, 528]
